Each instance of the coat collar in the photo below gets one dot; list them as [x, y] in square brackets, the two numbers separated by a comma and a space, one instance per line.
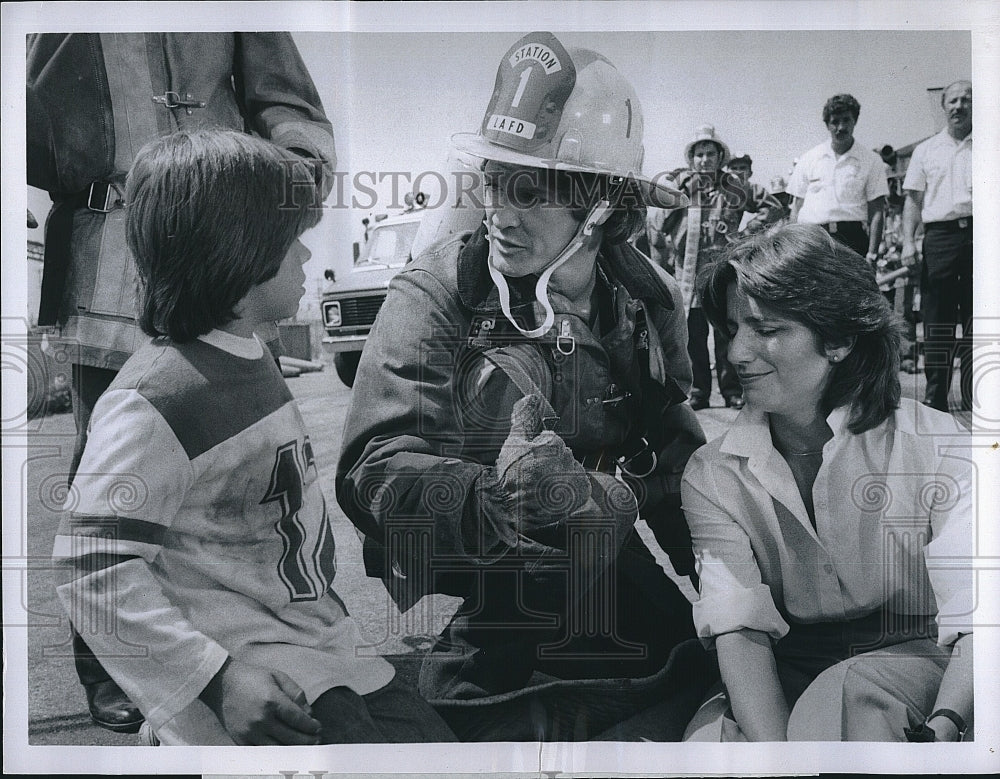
[622, 264]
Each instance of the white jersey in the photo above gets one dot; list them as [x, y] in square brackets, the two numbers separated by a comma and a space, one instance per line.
[196, 530]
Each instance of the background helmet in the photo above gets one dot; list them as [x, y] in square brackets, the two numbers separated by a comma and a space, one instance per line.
[566, 110]
[706, 132]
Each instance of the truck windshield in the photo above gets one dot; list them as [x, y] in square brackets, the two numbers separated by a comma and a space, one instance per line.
[389, 244]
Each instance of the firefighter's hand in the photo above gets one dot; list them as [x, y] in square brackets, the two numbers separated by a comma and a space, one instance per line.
[541, 480]
[909, 255]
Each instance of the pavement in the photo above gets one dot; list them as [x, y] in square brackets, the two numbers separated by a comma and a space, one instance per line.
[57, 707]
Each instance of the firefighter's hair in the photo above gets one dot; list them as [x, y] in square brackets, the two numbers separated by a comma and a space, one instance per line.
[628, 211]
[803, 274]
[841, 104]
[209, 215]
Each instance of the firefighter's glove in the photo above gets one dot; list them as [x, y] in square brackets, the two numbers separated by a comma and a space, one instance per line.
[540, 480]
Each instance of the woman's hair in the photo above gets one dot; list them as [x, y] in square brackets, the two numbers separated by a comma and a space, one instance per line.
[210, 215]
[803, 274]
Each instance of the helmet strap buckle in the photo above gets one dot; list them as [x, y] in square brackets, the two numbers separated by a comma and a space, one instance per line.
[598, 215]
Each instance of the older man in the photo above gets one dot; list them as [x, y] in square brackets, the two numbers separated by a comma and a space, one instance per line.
[938, 189]
[840, 185]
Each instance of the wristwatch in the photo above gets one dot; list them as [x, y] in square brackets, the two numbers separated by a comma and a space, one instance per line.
[925, 733]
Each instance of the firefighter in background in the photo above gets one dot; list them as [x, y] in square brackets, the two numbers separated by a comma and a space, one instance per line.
[93, 100]
[719, 200]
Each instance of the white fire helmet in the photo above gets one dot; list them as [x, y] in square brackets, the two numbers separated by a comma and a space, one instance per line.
[567, 110]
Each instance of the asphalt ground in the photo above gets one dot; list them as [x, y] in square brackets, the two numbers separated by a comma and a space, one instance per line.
[57, 706]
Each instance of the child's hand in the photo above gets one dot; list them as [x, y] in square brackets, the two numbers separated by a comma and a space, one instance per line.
[258, 706]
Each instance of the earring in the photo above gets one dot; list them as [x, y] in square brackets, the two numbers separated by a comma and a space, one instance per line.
[834, 358]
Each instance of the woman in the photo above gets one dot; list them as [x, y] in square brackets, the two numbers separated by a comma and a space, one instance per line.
[818, 517]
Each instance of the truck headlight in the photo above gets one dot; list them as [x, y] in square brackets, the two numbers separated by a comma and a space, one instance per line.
[331, 312]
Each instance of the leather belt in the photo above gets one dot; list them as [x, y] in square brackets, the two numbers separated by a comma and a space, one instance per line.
[832, 227]
[102, 197]
[963, 223]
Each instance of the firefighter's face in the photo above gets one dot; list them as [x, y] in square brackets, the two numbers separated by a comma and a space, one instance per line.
[528, 223]
[705, 157]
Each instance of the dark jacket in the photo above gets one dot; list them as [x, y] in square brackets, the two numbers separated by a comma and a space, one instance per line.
[94, 99]
[431, 405]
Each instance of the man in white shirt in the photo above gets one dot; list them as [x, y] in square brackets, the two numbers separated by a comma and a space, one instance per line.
[938, 188]
[841, 185]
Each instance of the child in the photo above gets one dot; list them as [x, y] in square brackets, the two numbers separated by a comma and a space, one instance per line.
[196, 528]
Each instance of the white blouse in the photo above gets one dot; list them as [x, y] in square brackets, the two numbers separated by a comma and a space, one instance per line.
[894, 512]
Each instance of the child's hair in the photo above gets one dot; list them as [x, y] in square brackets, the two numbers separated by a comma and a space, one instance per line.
[211, 214]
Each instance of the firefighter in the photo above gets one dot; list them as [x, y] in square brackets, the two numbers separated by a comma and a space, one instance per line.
[529, 388]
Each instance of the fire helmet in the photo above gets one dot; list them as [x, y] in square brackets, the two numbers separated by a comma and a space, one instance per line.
[567, 110]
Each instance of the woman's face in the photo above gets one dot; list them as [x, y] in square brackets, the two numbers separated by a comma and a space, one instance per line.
[781, 363]
[528, 228]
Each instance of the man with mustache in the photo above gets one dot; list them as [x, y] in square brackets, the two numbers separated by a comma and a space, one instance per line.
[938, 187]
[840, 185]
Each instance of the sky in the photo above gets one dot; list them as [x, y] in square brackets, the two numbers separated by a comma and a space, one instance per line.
[394, 98]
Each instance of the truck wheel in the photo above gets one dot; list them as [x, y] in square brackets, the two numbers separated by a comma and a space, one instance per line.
[346, 364]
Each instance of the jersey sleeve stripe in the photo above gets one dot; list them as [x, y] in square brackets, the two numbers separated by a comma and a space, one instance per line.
[68, 547]
[95, 562]
[120, 528]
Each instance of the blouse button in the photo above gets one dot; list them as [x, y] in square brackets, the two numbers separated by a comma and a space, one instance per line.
[828, 568]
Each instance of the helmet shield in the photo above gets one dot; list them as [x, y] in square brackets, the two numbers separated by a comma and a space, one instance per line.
[535, 78]
[565, 110]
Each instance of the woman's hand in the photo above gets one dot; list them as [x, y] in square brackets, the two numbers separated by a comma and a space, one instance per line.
[956, 690]
[257, 706]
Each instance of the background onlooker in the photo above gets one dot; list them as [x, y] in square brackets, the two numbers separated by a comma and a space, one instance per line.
[938, 188]
[719, 199]
[841, 185]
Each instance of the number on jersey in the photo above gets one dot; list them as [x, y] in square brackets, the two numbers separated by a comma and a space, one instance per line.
[307, 565]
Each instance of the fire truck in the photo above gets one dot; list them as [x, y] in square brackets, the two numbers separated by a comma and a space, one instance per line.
[350, 303]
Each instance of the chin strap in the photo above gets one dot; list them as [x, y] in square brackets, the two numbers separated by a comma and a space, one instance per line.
[598, 215]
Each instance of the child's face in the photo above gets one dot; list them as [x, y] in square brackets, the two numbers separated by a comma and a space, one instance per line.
[278, 297]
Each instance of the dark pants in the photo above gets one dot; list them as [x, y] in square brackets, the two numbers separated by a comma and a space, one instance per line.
[808, 650]
[946, 301]
[729, 384]
[394, 714]
[517, 629]
[901, 300]
[851, 234]
[87, 386]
